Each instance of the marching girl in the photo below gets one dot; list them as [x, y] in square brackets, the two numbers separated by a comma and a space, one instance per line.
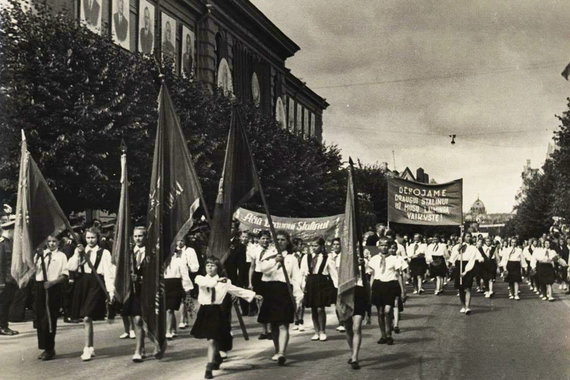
[513, 262]
[132, 306]
[278, 307]
[335, 255]
[489, 266]
[95, 269]
[399, 302]
[177, 284]
[211, 323]
[464, 259]
[418, 266]
[299, 251]
[353, 326]
[437, 258]
[385, 269]
[318, 270]
[51, 273]
[543, 262]
[261, 251]
[528, 253]
[193, 266]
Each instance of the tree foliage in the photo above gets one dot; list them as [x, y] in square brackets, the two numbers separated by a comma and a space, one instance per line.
[547, 194]
[77, 94]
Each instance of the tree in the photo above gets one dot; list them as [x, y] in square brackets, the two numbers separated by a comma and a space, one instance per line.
[77, 94]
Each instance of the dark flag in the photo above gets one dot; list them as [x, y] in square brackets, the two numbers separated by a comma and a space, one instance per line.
[175, 194]
[566, 72]
[351, 249]
[121, 248]
[38, 215]
[239, 182]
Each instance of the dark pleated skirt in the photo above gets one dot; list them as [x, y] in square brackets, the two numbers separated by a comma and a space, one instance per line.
[418, 266]
[277, 306]
[88, 298]
[256, 283]
[385, 293]
[514, 273]
[467, 282]
[173, 293]
[438, 267]
[545, 273]
[489, 270]
[319, 291]
[210, 323]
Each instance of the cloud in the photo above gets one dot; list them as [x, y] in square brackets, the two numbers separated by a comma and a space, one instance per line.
[487, 71]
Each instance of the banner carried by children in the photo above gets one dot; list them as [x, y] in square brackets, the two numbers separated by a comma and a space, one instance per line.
[308, 229]
[412, 202]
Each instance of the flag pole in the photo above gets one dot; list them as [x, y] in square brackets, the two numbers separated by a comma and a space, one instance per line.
[269, 219]
[357, 222]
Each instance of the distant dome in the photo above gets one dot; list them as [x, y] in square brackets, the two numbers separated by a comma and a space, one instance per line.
[478, 207]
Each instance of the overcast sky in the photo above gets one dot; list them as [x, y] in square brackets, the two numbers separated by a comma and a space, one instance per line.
[418, 71]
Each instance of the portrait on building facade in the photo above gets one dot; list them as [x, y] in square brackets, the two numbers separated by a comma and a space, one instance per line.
[146, 24]
[168, 38]
[225, 78]
[120, 23]
[299, 124]
[306, 123]
[280, 113]
[188, 52]
[91, 14]
[255, 92]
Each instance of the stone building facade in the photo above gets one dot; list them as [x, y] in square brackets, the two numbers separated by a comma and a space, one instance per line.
[233, 45]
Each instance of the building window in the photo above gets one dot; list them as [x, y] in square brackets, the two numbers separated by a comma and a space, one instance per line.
[291, 116]
[299, 123]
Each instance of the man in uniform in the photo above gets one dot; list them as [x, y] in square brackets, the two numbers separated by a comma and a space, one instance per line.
[8, 286]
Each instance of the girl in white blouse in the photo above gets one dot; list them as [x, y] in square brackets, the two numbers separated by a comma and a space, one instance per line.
[318, 271]
[177, 284]
[464, 259]
[513, 262]
[95, 269]
[211, 323]
[543, 262]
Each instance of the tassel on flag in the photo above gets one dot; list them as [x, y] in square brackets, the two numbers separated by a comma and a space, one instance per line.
[121, 255]
[175, 195]
[38, 215]
[351, 249]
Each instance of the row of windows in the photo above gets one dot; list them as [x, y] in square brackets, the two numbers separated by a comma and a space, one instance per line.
[300, 119]
[177, 40]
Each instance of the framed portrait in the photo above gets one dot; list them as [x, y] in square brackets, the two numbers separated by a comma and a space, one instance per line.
[280, 113]
[146, 27]
[90, 13]
[225, 78]
[120, 23]
[188, 52]
[306, 123]
[299, 124]
[168, 38]
[255, 91]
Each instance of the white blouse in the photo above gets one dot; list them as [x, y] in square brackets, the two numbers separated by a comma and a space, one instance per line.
[55, 263]
[105, 268]
[386, 268]
[512, 254]
[416, 249]
[328, 270]
[207, 283]
[177, 269]
[191, 259]
[272, 271]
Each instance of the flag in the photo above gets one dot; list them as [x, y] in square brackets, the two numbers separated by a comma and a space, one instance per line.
[566, 72]
[351, 246]
[175, 194]
[121, 256]
[38, 215]
[239, 182]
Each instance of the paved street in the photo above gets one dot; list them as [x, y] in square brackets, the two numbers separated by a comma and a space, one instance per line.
[501, 339]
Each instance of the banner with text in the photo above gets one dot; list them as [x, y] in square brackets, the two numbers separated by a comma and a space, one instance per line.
[307, 229]
[412, 202]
